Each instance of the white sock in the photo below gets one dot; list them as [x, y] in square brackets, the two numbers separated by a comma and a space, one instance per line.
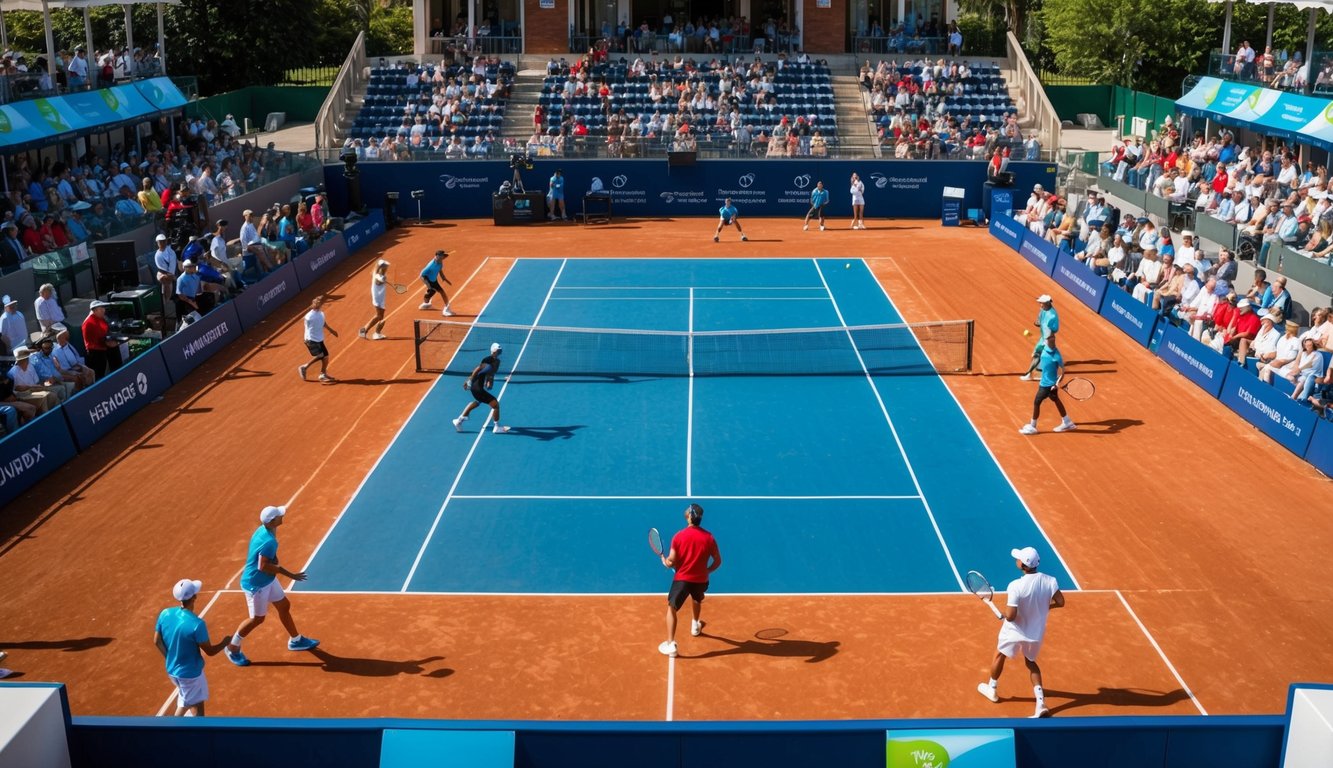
[993, 683]
[1033, 423]
[1041, 696]
[236, 640]
[1067, 421]
[296, 637]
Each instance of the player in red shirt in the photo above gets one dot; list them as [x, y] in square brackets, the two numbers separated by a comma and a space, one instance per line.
[694, 555]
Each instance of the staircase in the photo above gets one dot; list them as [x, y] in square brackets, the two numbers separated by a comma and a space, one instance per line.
[854, 127]
[523, 98]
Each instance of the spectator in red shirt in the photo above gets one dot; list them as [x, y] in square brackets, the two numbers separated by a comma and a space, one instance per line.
[95, 328]
[695, 555]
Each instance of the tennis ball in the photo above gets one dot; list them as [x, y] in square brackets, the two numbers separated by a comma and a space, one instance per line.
[848, 265]
[1027, 332]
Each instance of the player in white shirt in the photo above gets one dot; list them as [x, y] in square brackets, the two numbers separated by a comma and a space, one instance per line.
[379, 290]
[1030, 600]
[315, 326]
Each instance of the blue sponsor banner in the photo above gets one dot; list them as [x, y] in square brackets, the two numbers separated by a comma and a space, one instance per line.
[95, 411]
[267, 295]
[1194, 360]
[1007, 230]
[1269, 408]
[316, 262]
[32, 452]
[1075, 277]
[758, 187]
[1002, 201]
[359, 233]
[1135, 318]
[955, 747]
[1320, 452]
[190, 347]
[1040, 253]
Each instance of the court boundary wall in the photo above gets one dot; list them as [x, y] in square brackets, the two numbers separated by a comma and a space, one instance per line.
[1265, 406]
[45, 444]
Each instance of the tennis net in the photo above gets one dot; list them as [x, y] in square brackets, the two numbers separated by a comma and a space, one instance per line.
[903, 348]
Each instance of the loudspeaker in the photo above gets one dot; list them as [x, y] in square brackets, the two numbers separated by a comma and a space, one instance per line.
[117, 263]
[681, 158]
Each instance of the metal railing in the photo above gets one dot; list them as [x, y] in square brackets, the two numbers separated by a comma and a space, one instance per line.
[581, 42]
[351, 80]
[1283, 75]
[487, 44]
[42, 85]
[928, 46]
[1033, 95]
[319, 75]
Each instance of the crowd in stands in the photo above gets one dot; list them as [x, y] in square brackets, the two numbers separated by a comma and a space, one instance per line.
[1275, 69]
[913, 35]
[705, 35]
[449, 111]
[75, 70]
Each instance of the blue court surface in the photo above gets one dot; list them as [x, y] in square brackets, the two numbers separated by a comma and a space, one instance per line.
[870, 481]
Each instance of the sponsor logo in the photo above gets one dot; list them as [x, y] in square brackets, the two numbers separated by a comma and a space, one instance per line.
[114, 401]
[1137, 323]
[463, 182]
[620, 181]
[48, 112]
[109, 96]
[321, 260]
[1189, 359]
[746, 181]
[21, 463]
[684, 197]
[204, 341]
[272, 293]
[881, 181]
[5, 125]
[141, 383]
[353, 239]
[1269, 412]
[801, 182]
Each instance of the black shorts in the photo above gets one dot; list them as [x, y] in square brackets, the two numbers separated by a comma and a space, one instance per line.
[482, 396]
[681, 589]
[317, 349]
[1045, 393]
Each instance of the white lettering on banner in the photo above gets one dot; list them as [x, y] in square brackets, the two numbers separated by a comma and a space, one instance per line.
[801, 182]
[1189, 359]
[1003, 226]
[1033, 250]
[272, 293]
[1269, 411]
[353, 240]
[320, 260]
[463, 182]
[21, 463]
[906, 182]
[684, 197]
[1119, 310]
[212, 335]
[115, 400]
[1077, 280]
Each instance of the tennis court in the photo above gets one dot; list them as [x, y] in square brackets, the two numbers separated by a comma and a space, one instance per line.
[853, 482]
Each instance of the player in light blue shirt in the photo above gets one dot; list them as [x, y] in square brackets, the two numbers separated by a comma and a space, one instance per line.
[431, 275]
[182, 639]
[259, 580]
[1048, 322]
[1052, 368]
[556, 195]
[728, 215]
[818, 199]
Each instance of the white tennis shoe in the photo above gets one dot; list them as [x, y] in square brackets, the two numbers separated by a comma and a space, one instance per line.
[985, 690]
[806, 228]
[447, 311]
[696, 627]
[1066, 426]
[1025, 377]
[424, 305]
[499, 430]
[1027, 429]
[667, 648]
[361, 332]
[821, 227]
[744, 238]
[1041, 713]
[379, 336]
[458, 423]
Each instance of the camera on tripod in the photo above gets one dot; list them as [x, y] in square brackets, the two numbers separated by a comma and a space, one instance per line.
[520, 162]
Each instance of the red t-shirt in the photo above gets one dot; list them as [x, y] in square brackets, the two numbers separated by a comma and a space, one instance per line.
[94, 332]
[693, 547]
[1247, 325]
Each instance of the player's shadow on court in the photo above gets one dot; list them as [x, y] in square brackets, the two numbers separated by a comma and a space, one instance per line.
[813, 651]
[361, 667]
[377, 382]
[1106, 426]
[547, 434]
[1109, 697]
[246, 373]
[71, 645]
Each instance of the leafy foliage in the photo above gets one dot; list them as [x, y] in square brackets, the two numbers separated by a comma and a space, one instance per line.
[982, 36]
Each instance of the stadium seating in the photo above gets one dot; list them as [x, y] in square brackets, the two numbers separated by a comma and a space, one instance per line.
[391, 105]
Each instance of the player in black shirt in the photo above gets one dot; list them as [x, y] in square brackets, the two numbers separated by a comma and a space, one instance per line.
[481, 380]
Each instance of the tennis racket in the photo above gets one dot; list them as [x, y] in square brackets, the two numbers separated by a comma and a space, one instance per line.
[1078, 387]
[399, 288]
[655, 542]
[977, 585]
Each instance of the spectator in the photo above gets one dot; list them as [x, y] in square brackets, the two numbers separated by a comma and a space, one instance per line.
[29, 385]
[47, 309]
[1285, 363]
[70, 361]
[13, 325]
[16, 411]
[61, 385]
[103, 349]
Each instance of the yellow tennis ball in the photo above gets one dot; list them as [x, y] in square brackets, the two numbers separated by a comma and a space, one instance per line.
[1027, 332]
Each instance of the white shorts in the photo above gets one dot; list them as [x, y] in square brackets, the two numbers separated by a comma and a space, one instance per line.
[190, 690]
[1012, 648]
[259, 600]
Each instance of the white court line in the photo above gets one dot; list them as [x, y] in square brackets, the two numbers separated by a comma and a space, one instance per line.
[779, 595]
[1161, 653]
[689, 414]
[989, 452]
[671, 689]
[672, 497]
[894, 430]
[631, 288]
[678, 298]
[481, 432]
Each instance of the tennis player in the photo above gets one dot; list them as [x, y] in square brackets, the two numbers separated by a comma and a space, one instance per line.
[431, 275]
[858, 190]
[259, 580]
[694, 555]
[180, 636]
[1048, 322]
[1030, 600]
[1052, 368]
[818, 199]
[555, 194]
[379, 290]
[728, 215]
[315, 326]
[479, 384]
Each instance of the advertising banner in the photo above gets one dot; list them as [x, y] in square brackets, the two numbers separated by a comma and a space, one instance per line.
[1007, 231]
[95, 411]
[953, 747]
[361, 232]
[1320, 452]
[267, 295]
[34, 451]
[1194, 360]
[1075, 277]
[1269, 408]
[1135, 318]
[1040, 253]
[190, 347]
[316, 262]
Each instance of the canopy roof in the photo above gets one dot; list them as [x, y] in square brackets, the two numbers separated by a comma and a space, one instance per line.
[39, 122]
[1292, 116]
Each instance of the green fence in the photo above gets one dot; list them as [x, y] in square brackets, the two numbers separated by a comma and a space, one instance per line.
[300, 102]
[1108, 102]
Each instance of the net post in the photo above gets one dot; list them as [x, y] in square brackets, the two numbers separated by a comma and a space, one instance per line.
[416, 343]
[971, 327]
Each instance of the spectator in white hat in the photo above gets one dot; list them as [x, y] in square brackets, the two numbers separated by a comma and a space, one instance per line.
[1030, 599]
[28, 384]
[13, 325]
[181, 636]
[259, 580]
[1048, 322]
[70, 361]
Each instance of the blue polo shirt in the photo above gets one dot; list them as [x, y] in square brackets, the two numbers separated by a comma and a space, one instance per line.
[182, 632]
[819, 197]
[432, 270]
[188, 284]
[1051, 363]
[728, 213]
[1049, 322]
[262, 543]
[557, 187]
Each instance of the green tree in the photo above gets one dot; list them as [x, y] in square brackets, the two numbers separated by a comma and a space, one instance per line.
[1013, 14]
[390, 31]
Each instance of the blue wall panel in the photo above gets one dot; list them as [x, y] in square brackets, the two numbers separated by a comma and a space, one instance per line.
[1135, 318]
[1075, 277]
[190, 347]
[1194, 360]
[1320, 452]
[1269, 408]
[95, 411]
[32, 452]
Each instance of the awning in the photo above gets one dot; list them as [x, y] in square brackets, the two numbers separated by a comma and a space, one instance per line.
[1292, 116]
[40, 122]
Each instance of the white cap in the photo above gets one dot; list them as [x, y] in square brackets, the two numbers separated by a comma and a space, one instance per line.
[22, 353]
[9, 301]
[381, 263]
[187, 263]
[495, 347]
[1045, 298]
[186, 589]
[269, 514]
[99, 303]
[1027, 556]
[1187, 233]
[161, 238]
[1243, 303]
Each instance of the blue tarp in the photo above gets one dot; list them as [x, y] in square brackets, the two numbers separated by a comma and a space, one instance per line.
[1293, 116]
[37, 122]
